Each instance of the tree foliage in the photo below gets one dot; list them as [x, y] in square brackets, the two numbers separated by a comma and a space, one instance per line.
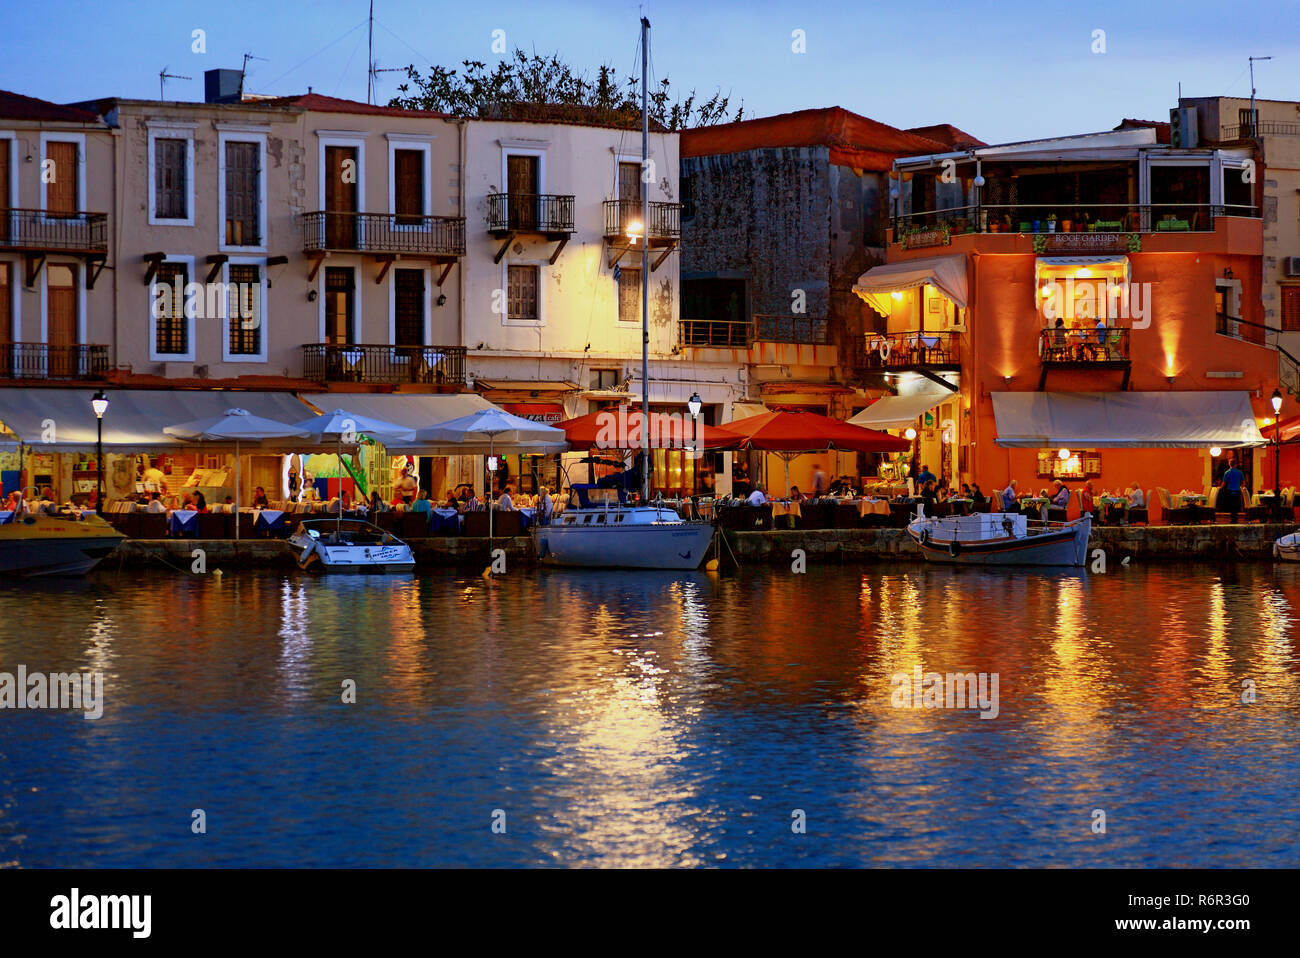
[536, 86]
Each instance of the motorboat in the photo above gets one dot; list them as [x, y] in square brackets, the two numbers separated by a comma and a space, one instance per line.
[349, 545]
[599, 528]
[66, 544]
[1287, 548]
[1001, 538]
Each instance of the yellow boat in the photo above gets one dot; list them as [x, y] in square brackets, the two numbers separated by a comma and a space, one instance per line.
[55, 545]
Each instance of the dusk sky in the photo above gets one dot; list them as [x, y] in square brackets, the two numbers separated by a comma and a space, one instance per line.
[1002, 71]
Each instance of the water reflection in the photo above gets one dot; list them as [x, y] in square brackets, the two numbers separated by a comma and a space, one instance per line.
[624, 719]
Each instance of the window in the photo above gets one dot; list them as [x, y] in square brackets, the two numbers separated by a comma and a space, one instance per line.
[61, 320]
[171, 192]
[688, 196]
[171, 328]
[340, 287]
[408, 188]
[629, 196]
[1290, 307]
[6, 305]
[605, 378]
[521, 294]
[244, 316]
[629, 295]
[1246, 119]
[243, 193]
[522, 183]
[61, 181]
[408, 307]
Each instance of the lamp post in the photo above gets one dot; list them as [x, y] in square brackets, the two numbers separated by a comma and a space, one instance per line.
[1276, 400]
[99, 403]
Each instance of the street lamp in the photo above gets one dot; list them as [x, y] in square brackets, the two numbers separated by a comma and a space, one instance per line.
[1276, 400]
[695, 404]
[99, 403]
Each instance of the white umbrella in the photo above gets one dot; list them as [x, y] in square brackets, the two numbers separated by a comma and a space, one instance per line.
[497, 429]
[238, 425]
[342, 426]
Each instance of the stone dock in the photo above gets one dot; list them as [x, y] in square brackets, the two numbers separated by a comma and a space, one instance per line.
[1209, 543]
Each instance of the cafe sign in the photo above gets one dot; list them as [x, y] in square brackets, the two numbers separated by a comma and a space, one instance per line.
[1085, 242]
[930, 236]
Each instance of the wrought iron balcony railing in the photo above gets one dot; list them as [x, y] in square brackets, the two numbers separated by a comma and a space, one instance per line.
[1071, 218]
[808, 330]
[363, 363]
[529, 213]
[383, 233]
[39, 230]
[42, 361]
[909, 349]
[717, 333]
[1071, 346]
[623, 219]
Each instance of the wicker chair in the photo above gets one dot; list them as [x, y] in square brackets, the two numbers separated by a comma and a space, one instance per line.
[1141, 514]
[1173, 516]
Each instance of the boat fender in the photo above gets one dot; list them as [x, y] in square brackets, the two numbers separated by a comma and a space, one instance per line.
[925, 536]
[307, 553]
[1009, 527]
[307, 562]
[954, 548]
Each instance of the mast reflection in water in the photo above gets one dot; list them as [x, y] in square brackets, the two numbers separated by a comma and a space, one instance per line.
[658, 719]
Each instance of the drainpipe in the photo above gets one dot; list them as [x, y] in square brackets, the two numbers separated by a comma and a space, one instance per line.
[462, 134]
[114, 211]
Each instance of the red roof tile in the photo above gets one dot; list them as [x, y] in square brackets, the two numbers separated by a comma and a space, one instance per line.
[854, 140]
[15, 106]
[330, 104]
[1161, 128]
[948, 135]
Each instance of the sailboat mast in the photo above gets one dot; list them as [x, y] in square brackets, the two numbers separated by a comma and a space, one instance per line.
[645, 262]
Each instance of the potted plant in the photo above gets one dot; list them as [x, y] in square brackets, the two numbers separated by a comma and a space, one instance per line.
[1051, 222]
[1065, 226]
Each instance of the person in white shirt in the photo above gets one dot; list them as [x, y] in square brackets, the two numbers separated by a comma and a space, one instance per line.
[1135, 497]
[1009, 497]
[546, 506]
[155, 504]
[505, 503]
[757, 498]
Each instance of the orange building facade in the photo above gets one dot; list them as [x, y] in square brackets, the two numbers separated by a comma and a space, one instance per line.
[1082, 308]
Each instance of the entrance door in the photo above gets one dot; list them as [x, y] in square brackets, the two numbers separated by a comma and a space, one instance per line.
[629, 195]
[341, 197]
[61, 320]
[61, 188]
[522, 185]
[4, 191]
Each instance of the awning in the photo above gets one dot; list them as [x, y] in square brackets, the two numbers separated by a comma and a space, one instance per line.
[414, 411]
[945, 273]
[743, 410]
[525, 386]
[1125, 420]
[61, 420]
[899, 412]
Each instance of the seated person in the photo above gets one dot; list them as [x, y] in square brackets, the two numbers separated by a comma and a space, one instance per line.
[757, 498]
[422, 504]
[1086, 495]
[1135, 498]
[975, 493]
[452, 502]
[155, 504]
[200, 502]
[796, 495]
[1061, 497]
[505, 503]
[260, 501]
[1010, 502]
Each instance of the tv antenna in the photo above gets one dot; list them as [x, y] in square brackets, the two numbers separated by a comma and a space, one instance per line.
[164, 76]
[243, 71]
[1254, 119]
[373, 69]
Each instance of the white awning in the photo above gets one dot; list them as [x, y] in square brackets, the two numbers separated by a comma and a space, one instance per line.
[1125, 420]
[899, 412]
[947, 274]
[414, 411]
[61, 420]
[743, 410]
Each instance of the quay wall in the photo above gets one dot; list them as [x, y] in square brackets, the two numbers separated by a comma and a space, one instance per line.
[1217, 543]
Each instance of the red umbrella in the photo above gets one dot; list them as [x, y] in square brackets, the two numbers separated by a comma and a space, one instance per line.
[810, 432]
[621, 429]
[791, 434]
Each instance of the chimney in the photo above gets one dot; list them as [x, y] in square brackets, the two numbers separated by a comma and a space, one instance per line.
[222, 86]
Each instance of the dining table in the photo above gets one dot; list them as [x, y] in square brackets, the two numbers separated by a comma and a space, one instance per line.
[182, 521]
[445, 521]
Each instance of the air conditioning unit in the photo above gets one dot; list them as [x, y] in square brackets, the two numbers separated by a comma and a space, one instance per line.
[1291, 265]
[201, 372]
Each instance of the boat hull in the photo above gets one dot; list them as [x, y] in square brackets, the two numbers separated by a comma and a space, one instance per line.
[329, 547]
[1287, 548]
[1063, 546]
[55, 546]
[647, 546]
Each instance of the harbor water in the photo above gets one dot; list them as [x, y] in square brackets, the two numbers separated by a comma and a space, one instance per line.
[1148, 716]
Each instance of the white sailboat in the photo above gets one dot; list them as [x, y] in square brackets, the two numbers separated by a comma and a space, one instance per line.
[599, 527]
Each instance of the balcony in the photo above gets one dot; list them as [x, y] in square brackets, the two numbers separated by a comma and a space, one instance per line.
[43, 361]
[1091, 349]
[36, 233]
[714, 333]
[1058, 218]
[539, 214]
[623, 220]
[383, 365]
[912, 351]
[804, 330]
[384, 237]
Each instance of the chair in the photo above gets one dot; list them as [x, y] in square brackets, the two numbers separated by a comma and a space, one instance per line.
[1141, 513]
[1173, 516]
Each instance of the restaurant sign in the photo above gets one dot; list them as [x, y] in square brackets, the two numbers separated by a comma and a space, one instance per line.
[1084, 242]
[930, 236]
[548, 414]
